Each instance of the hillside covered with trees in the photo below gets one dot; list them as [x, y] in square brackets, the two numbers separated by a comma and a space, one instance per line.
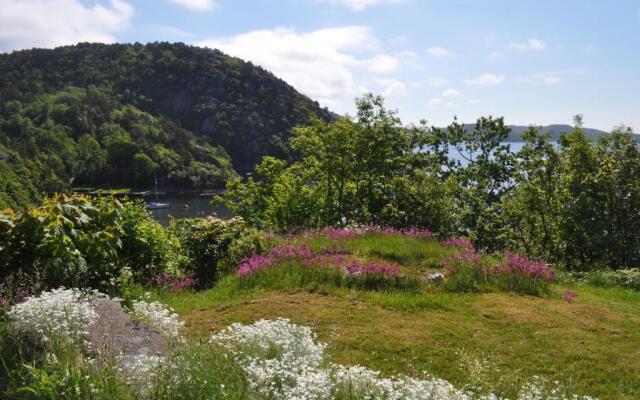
[97, 114]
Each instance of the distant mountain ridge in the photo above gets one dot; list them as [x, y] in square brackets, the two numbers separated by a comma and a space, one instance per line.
[555, 129]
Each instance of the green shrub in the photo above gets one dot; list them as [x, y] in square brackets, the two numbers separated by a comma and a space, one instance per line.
[148, 249]
[626, 278]
[213, 246]
[68, 240]
[78, 241]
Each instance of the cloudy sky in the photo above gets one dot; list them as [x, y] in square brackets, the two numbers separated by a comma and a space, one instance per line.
[534, 62]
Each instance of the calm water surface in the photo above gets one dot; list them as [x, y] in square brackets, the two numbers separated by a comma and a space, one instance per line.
[193, 205]
[186, 206]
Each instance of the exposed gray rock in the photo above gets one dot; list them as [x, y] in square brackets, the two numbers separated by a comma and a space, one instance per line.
[117, 334]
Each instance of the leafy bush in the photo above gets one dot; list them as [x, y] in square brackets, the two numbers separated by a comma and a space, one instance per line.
[626, 278]
[148, 249]
[67, 241]
[77, 241]
[213, 246]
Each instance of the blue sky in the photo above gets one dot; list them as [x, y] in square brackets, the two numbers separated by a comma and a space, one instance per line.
[534, 62]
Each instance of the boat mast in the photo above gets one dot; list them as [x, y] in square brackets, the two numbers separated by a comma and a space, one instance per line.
[155, 178]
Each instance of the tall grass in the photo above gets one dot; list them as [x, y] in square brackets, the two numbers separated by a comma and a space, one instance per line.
[291, 274]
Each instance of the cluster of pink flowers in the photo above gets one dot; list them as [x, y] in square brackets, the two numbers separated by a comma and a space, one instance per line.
[470, 256]
[328, 257]
[355, 268]
[460, 243]
[569, 295]
[255, 263]
[352, 231]
[525, 267]
[175, 283]
[290, 251]
[466, 253]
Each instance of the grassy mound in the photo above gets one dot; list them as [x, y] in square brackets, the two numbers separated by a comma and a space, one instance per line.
[492, 337]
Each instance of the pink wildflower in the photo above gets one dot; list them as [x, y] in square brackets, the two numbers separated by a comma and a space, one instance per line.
[569, 295]
[458, 242]
[525, 267]
[255, 263]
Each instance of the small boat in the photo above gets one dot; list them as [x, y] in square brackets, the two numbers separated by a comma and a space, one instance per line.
[156, 205]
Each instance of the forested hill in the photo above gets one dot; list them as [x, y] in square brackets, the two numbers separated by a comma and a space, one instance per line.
[115, 114]
[556, 130]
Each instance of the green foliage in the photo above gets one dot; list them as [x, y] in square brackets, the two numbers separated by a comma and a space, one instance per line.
[579, 204]
[531, 212]
[17, 188]
[626, 278]
[213, 246]
[482, 179]
[148, 92]
[148, 249]
[362, 170]
[76, 241]
[90, 137]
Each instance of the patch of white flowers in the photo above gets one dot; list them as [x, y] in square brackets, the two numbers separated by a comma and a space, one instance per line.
[283, 361]
[65, 314]
[140, 369]
[158, 316]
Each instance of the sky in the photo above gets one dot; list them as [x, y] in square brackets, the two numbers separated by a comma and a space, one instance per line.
[533, 62]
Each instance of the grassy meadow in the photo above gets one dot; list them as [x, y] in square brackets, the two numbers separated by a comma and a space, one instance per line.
[488, 338]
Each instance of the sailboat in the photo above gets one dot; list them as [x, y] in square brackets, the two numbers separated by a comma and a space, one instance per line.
[155, 205]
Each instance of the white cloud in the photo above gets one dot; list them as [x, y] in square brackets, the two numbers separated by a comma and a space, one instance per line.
[450, 93]
[439, 52]
[495, 56]
[531, 44]
[50, 23]
[382, 64]
[397, 40]
[474, 101]
[551, 77]
[392, 87]
[436, 82]
[359, 5]
[326, 64]
[196, 5]
[485, 80]
[434, 103]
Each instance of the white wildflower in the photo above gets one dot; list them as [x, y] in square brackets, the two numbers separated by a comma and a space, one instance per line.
[281, 359]
[65, 314]
[158, 316]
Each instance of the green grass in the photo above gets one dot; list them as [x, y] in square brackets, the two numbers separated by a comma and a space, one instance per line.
[590, 345]
[491, 339]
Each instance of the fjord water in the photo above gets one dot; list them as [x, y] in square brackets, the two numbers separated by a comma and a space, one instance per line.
[186, 205]
[196, 205]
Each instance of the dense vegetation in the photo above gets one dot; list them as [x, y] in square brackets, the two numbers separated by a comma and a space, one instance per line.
[108, 245]
[575, 203]
[404, 258]
[364, 291]
[97, 114]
